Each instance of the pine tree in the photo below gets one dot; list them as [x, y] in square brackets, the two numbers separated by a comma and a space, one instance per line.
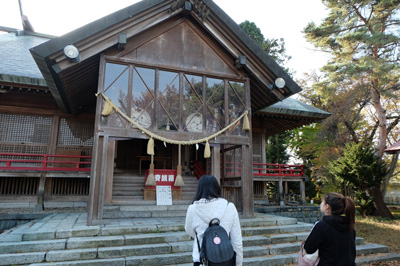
[362, 37]
[359, 168]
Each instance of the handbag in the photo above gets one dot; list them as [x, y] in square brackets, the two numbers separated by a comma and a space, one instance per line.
[305, 259]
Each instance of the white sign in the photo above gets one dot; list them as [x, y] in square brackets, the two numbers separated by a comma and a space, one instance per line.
[164, 195]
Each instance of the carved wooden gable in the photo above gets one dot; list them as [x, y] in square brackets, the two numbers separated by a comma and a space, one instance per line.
[182, 47]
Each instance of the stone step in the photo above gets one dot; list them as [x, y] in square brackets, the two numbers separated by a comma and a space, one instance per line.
[364, 260]
[267, 240]
[165, 254]
[370, 248]
[142, 214]
[118, 238]
[248, 231]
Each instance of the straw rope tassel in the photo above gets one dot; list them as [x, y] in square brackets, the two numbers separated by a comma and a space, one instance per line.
[151, 181]
[246, 123]
[150, 146]
[107, 109]
[179, 180]
[207, 152]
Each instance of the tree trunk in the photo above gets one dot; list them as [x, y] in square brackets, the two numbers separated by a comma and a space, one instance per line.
[392, 167]
[381, 115]
[379, 204]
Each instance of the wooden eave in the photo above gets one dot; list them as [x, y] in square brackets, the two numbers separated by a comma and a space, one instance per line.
[73, 85]
[272, 124]
[395, 148]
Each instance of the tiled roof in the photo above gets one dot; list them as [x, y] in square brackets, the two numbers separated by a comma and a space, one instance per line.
[16, 62]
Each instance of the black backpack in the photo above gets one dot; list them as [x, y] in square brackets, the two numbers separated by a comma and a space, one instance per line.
[216, 248]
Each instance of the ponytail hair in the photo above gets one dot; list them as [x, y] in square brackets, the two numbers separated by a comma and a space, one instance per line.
[341, 205]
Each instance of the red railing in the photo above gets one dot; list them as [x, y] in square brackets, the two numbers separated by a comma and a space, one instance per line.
[269, 169]
[44, 162]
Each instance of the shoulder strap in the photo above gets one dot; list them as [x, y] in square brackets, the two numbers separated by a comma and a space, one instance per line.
[197, 240]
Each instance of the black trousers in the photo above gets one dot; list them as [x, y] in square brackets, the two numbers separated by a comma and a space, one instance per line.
[196, 264]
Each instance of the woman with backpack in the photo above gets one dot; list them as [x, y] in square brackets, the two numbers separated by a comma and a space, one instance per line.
[334, 236]
[208, 205]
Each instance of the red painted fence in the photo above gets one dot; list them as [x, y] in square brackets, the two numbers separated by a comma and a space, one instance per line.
[47, 162]
[269, 169]
[44, 162]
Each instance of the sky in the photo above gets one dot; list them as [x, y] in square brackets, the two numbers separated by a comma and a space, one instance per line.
[275, 18]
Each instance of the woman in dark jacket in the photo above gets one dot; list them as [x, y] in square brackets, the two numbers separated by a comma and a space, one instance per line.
[334, 236]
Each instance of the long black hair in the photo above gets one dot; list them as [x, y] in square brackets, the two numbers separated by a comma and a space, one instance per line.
[207, 188]
[341, 205]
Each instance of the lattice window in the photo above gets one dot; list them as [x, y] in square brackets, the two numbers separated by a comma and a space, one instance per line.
[25, 128]
[76, 132]
[21, 148]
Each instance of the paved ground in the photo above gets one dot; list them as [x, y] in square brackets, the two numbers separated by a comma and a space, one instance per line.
[68, 222]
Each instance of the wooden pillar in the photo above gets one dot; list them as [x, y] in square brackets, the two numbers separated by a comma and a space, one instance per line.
[40, 200]
[109, 172]
[303, 191]
[95, 178]
[286, 195]
[247, 181]
[216, 163]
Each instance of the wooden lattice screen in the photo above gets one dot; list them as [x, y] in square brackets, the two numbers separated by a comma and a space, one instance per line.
[24, 133]
[31, 134]
[19, 185]
[69, 186]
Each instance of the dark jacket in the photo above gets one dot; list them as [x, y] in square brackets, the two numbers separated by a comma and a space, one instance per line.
[334, 240]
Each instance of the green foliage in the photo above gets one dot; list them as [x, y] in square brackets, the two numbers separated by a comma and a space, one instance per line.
[275, 48]
[253, 31]
[358, 167]
[276, 148]
[365, 203]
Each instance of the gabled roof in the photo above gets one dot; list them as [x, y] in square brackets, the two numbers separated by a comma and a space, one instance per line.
[395, 148]
[74, 84]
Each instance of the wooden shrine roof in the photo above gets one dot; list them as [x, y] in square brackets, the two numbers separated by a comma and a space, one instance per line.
[73, 85]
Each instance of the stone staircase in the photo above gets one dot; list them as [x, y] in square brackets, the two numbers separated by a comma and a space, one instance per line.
[267, 240]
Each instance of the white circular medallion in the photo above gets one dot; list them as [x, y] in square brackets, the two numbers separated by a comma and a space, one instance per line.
[194, 122]
[141, 117]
